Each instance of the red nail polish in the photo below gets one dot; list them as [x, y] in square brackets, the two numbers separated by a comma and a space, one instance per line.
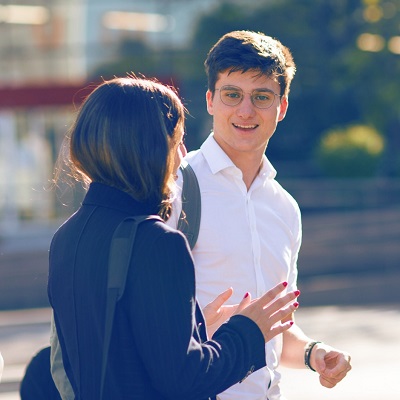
[297, 292]
[246, 295]
[296, 304]
[284, 284]
[291, 323]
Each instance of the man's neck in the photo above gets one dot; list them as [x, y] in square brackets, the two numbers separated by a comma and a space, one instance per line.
[250, 167]
[248, 162]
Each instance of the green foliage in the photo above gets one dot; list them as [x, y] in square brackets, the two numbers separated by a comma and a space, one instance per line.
[354, 151]
[336, 82]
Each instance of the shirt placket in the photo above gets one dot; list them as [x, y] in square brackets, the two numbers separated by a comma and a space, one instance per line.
[255, 244]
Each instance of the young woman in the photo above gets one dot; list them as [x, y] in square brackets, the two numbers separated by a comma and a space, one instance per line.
[125, 145]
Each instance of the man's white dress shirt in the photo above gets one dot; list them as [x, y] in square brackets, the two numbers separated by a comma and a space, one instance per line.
[249, 240]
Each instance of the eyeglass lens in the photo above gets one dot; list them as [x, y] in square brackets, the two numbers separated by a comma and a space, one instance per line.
[232, 96]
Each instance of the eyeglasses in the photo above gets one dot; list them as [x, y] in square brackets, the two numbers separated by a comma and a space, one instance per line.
[233, 95]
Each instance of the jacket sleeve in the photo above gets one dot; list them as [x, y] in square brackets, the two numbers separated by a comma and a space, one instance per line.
[181, 365]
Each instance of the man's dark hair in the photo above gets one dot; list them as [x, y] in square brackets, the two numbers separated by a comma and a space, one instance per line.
[250, 51]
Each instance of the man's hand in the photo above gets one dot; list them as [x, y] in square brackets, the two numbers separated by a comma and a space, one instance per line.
[332, 365]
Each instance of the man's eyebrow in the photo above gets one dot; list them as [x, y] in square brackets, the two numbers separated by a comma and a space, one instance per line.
[263, 90]
[233, 87]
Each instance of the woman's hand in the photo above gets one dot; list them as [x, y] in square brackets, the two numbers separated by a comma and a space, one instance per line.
[216, 312]
[269, 310]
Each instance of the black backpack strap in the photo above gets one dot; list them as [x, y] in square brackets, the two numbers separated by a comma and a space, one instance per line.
[118, 266]
[189, 220]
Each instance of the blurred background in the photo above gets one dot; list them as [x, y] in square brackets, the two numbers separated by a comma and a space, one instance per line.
[337, 151]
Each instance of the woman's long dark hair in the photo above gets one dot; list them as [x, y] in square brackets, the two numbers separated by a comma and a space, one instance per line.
[125, 135]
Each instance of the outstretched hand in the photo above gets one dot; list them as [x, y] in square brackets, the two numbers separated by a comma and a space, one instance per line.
[269, 310]
[332, 365]
[216, 312]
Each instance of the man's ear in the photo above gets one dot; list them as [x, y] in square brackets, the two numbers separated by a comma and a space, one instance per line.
[283, 108]
[209, 101]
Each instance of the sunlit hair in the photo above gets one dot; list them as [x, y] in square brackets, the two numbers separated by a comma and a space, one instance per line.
[125, 135]
[250, 51]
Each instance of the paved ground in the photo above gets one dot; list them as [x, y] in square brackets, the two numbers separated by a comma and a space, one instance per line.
[371, 334]
[22, 334]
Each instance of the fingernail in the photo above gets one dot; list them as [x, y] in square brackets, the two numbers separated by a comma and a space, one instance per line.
[291, 323]
[284, 284]
[246, 295]
[296, 304]
[297, 292]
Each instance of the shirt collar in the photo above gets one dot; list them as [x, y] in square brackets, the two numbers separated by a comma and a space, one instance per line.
[267, 169]
[218, 160]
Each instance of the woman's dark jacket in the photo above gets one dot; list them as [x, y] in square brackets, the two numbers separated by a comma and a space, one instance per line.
[159, 349]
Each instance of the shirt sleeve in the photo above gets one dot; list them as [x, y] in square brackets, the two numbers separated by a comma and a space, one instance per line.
[181, 365]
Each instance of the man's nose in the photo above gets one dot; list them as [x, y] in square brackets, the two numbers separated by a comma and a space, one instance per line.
[246, 108]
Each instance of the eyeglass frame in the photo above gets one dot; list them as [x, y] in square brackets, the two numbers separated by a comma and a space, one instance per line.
[251, 96]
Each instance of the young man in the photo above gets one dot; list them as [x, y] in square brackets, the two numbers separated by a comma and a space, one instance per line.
[250, 230]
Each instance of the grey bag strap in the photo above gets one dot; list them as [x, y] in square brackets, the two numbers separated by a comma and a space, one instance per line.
[189, 220]
[118, 266]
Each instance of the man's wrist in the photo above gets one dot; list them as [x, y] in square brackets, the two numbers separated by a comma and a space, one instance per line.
[307, 354]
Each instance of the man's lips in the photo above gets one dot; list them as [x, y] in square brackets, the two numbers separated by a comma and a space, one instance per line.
[241, 126]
